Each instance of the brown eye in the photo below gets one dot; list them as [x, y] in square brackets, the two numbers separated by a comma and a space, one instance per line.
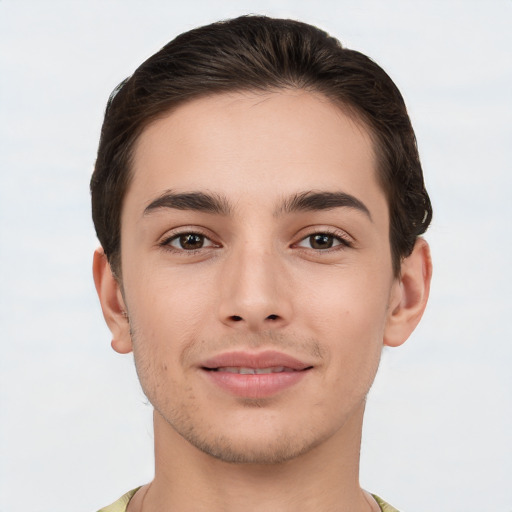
[189, 242]
[321, 241]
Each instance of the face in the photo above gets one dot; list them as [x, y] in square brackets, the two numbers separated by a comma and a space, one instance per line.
[257, 273]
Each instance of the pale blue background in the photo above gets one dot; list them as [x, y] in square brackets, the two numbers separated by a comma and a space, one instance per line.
[75, 431]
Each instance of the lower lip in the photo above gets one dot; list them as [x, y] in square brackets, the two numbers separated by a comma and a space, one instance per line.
[254, 385]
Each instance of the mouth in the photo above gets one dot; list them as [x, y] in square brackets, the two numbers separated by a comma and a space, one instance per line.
[268, 361]
[252, 371]
[255, 375]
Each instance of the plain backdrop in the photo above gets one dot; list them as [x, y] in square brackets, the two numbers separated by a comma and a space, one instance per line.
[75, 428]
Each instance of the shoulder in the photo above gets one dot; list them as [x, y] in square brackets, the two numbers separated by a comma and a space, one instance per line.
[121, 504]
[385, 507]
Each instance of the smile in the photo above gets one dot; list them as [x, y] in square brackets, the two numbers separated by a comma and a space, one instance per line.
[254, 375]
[253, 371]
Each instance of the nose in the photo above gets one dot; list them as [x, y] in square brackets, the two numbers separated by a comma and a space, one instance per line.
[253, 291]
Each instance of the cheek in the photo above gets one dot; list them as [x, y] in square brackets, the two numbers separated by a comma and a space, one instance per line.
[345, 303]
[157, 345]
[169, 316]
[169, 300]
[348, 315]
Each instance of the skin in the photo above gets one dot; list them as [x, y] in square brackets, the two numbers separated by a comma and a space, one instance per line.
[257, 279]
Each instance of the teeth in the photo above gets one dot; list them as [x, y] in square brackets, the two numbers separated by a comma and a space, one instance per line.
[253, 371]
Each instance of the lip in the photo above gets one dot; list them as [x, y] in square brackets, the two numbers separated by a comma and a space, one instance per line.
[266, 359]
[261, 385]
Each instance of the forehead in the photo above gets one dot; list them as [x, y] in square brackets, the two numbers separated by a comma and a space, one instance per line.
[254, 146]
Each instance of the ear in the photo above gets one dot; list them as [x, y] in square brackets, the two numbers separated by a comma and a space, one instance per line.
[409, 296]
[112, 303]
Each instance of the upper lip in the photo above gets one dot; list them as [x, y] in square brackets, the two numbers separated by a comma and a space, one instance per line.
[266, 359]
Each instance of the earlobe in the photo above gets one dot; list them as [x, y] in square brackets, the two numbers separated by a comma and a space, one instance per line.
[112, 303]
[410, 295]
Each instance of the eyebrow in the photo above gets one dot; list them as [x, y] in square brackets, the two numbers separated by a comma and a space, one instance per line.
[311, 200]
[197, 201]
[219, 205]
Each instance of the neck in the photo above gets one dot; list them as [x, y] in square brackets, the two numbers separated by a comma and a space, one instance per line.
[326, 478]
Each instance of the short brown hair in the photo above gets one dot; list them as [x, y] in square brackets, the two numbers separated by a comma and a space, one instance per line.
[261, 53]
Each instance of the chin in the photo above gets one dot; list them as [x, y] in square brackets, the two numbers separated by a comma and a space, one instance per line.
[249, 442]
[276, 451]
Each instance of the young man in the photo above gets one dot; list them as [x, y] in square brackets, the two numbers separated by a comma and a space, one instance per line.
[259, 201]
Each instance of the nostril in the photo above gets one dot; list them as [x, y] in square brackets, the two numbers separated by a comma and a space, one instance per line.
[237, 318]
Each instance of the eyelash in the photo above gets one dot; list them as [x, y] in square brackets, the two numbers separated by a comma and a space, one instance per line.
[341, 237]
[166, 243]
[336, 236]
